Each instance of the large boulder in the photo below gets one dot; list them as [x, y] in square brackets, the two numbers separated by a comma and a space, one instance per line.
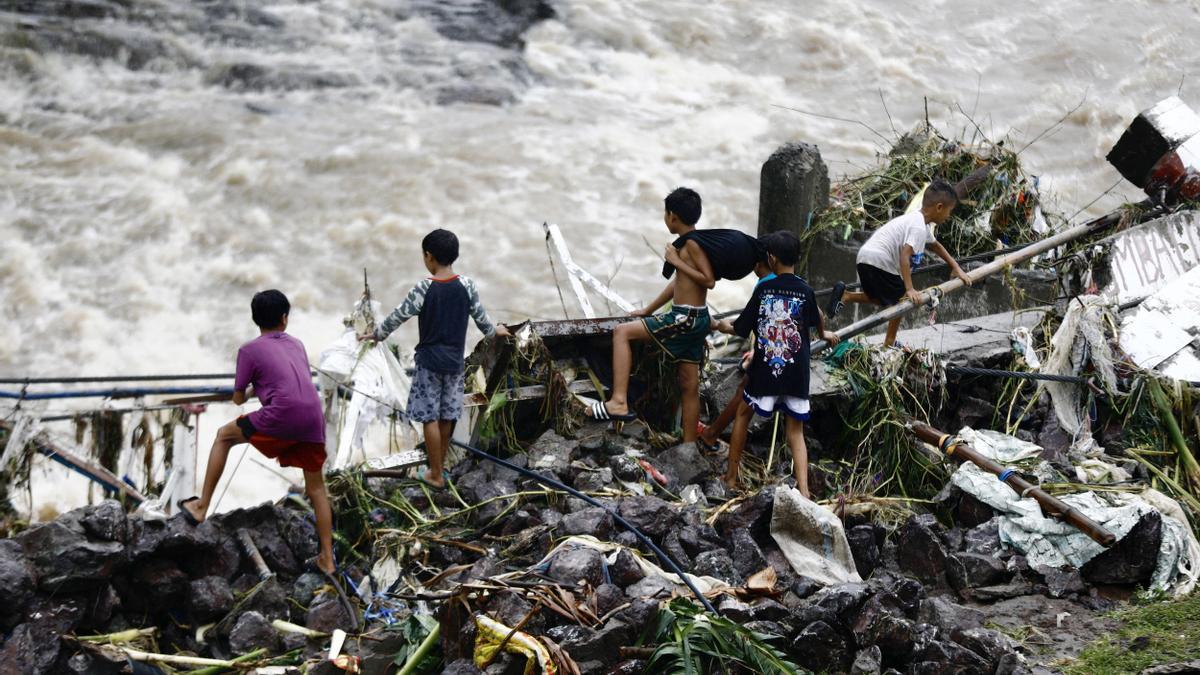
[1132, 559]
[65, 559]
[682, 464]
[594, 521]
[864, 547]
[821, 648]
[651, 515]
[882, 622]
[17, 580]
[253, 631]
[974, 570]
[572, 565]
[106, 521]
[748, 558]
[919, 549]
[209, 598]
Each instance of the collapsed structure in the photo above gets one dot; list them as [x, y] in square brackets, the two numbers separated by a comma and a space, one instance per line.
[563, 547]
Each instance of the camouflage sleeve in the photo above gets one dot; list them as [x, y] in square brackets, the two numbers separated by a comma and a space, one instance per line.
[408, 309]
[478, 313]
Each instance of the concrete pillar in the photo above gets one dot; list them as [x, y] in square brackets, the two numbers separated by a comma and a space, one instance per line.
[793, 185]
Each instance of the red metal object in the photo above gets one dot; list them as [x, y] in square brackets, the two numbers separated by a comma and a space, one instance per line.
[1179, 179]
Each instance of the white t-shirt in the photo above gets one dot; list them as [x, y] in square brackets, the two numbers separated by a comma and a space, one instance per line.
[882, 250]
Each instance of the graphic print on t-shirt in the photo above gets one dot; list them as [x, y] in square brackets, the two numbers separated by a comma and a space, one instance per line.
[779, 338]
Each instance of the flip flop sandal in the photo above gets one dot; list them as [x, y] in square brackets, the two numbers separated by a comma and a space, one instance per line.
[431, 486]
[187, 515]
[601, 413]
[706, 448]
[835, 299]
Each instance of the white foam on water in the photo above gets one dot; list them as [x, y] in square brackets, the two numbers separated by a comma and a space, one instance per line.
[140, 210]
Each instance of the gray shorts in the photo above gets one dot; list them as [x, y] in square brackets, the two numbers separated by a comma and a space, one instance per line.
[435, 396]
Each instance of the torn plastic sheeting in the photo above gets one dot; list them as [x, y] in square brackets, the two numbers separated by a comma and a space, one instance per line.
[380, 387]
[703, 584]
[1052, 543]
[812, 538]
[491, 634]
[1162, 334]
[1080, 338]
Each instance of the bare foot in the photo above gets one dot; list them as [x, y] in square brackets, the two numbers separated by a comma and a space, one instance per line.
[730, 482]
[195, 510]
[436, 481]
[325, 564]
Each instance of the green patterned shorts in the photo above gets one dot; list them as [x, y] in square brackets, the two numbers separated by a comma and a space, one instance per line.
[681, 332]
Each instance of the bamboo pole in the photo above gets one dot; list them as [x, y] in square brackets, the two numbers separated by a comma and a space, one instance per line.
[1052, 506]
[1159, 397]
[905, 306]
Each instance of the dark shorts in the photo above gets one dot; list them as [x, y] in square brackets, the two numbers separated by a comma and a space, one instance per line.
[303, 454]
[434, 396]
[681, 332]
[883, 287]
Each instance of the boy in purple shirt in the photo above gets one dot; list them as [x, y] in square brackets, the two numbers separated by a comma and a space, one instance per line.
[289, 427]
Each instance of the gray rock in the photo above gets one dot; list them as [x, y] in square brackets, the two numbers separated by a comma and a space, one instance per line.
[625, 570]
[719, 565]
[971, 512]
[682, 464]
[106, 521]
[593, 521]
[305, 588]
[1131, 560]
[327, 616]
[983, 539]
[1180, 668]
[1013, 589]
[19, 650]
[651, 515]
[626, 467]
[209, 598]
[947, 658]
[948, 616]
[793, 184]
[460, 667]
[919, 550]
[974, 570]
[651, 587]
[17, 580]
[882, 622]
[1062, 582]
[640, 614]
[253, 631]
[155, 585]
[734, 609]
[593, 480]
[864, 548]
[842, 601]
[988, 644]
[552, 452]
[868, 661]
[748, 558]
[753, 516]
[766, 609]
[63, 559]
[821, 648]
[673, 547]
[570, 566]
[608, 598]
[510, 608]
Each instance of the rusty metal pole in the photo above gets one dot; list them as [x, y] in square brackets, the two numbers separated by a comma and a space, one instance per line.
[955, 448]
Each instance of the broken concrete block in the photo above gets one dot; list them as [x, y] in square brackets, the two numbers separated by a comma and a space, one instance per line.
[793, 184]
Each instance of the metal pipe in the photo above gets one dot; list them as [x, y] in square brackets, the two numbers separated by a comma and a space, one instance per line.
[955, 448]
[133, 392]
[905, 306]
[260, 565]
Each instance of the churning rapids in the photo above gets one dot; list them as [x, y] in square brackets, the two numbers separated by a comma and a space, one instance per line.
[161, 160]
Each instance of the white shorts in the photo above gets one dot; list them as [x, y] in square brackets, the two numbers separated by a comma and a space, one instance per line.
[766, 406]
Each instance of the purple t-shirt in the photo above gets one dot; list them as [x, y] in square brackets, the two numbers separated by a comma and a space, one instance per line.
[277, 365]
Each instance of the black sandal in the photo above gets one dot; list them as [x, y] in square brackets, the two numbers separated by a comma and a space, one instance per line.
[187, 515]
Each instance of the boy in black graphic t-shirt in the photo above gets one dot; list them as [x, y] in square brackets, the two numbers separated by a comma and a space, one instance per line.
[781, 312]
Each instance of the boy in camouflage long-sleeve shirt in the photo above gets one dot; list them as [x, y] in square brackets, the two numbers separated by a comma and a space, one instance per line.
[441, 304]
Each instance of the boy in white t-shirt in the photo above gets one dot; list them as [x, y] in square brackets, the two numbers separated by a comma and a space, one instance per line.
[886, 261]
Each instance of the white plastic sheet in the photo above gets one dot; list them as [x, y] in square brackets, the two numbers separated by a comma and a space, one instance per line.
[1164, 333]
[1052, 543]
[812, 538]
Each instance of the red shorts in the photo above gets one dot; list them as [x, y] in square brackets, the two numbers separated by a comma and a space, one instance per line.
[304, 454]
